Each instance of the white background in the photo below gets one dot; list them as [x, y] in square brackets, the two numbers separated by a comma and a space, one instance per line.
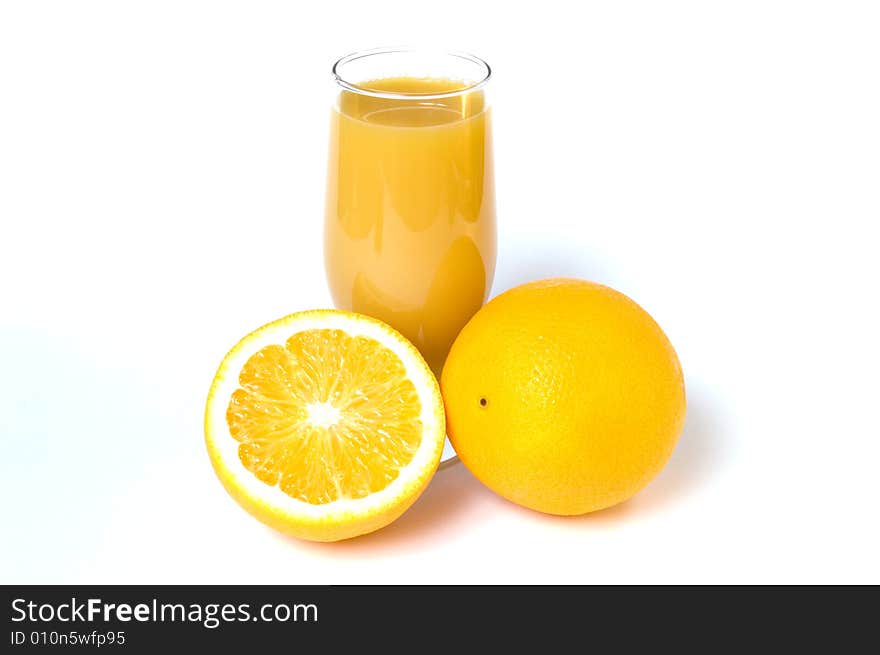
[161, 194]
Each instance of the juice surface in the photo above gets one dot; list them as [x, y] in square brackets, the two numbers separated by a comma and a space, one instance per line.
[410, 223]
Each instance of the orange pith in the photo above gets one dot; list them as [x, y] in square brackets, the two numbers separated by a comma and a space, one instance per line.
[308, 415]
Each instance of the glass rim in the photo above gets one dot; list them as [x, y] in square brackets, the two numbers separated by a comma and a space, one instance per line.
[360, 54]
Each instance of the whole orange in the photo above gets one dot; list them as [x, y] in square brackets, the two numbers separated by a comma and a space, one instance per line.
[563, 396]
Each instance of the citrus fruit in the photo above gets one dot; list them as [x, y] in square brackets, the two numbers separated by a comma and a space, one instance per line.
[324, 424]
[563, 396]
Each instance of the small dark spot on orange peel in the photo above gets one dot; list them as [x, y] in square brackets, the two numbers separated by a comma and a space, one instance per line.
[483, 402]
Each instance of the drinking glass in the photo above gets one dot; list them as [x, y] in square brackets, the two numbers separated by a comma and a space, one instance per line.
[410, 233]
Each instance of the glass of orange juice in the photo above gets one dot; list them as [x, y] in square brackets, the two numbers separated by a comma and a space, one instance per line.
[410, 233]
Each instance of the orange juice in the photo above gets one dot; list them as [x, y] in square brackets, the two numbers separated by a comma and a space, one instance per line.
[410, 222]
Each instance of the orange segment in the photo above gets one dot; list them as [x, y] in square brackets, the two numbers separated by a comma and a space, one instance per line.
[326, 416]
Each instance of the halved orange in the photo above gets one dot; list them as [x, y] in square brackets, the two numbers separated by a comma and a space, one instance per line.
[325, 424]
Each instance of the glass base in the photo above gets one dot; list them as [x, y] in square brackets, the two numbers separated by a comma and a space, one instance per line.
[448, 458]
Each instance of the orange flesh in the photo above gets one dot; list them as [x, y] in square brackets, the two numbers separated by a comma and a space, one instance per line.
[327, 416]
